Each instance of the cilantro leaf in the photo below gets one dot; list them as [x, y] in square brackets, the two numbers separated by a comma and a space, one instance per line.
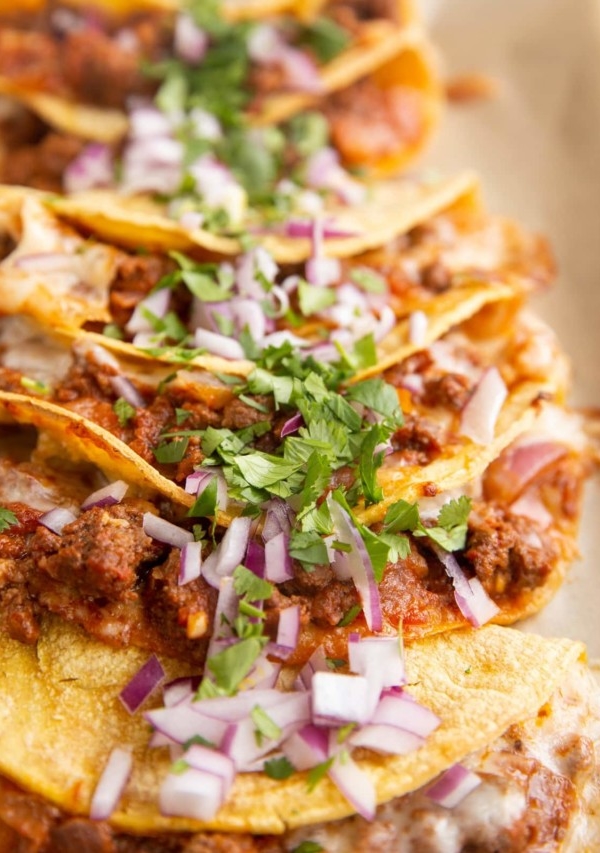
[205, 505]
[319, 772]
[263, 470]
[401, 516]
[279, 768]
[246, 583]
[7, 519]
[171, 451]
[378, 395]
[266, 727]
[233, 664]
[123, 410]
[313, 299]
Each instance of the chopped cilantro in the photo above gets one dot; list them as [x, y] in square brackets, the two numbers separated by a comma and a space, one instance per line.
[349, 617]
[7, 519]
[171, 451]
[249, 585]
[308, 847]
[279, 768]
[35, 385]
[368, 280]
[313, 299]
[325, 38]
[123, 410]
[181, 416]
[178, 767]
[205, 505]
[265, 727]
[233, 664]
[111, 330]
[317, 773]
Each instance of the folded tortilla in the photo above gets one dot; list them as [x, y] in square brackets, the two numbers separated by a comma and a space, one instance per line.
[474, 681]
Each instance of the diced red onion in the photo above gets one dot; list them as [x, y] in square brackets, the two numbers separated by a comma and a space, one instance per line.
[203, 758]
[231, 709]
[278, 563]
[479, 416]
[266, 44]
[417, 328]
[157, 304]
[356, 786]
[46, 262]
[193, 794]
[292, 425]
[226, 610]
[288, 627]
[324, 172]
[317, 662]
[107, 495]
[280, 301]
[197, 482]
[307, 747]
[124, 388]
[229, 554]
[218, 344]
[338, 699]
[387, 739]
[93, 167]
[178, 690]
[401, 710]
[190, 562]
[303, 228]
[148, 122]
[57, 519]
[453, 786]
[379, 659]
[190, 42]
[111, 784]
[289, 715]
[356, 564]
[264, 673]
[473, 601]
[479, 608]
[385, 324]
[518, 465]
[255, 558]
[191, 220]
[164, 531]
[532, 507]
[280, 518]
[143, 683]
[184, 721]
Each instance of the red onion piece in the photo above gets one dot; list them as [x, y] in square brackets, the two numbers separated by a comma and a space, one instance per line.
[218, 344]
[473, 601]
[303, 228]
[93, 167]
[163, 531]
[46, 262]
[202, 758]
[178, 690]
[147, 679]
[379, 659]
[226, 610]
[292, 425]
[530, 506]
[111, 784]
[355, 785]
[56, 519]
[255, 558]
[157, 304]
[325, 172]
[401, 710]
[323, 271]
[356, 564]
[184, 721]
[417, 328]
[307, 747]
[387, 739]
[453, 786]
[479, 416]
[508, 475]
[478, 608]
[190, 42]
[124, 388]
[229, 554]
[280, 518]
[278, 563]
[190, 563]
[288, 627]
[193, 794]
[317, 662]
[232, 709]
[339, 699]
[107, 495]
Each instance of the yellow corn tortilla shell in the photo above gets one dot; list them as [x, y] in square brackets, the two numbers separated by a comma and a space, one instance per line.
[478, 682]
[391, 208]
[96, 124]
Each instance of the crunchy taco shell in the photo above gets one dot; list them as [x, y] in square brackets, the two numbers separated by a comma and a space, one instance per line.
[70, 683]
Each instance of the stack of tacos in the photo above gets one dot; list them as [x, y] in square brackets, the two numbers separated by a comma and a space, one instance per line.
[265, 487]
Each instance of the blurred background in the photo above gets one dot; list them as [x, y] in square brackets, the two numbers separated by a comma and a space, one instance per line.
[536, 144]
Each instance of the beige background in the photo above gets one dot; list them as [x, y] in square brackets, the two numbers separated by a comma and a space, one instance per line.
[537, 148]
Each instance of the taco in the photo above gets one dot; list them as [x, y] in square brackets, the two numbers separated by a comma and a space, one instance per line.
[310, 457]
[243, 118]
[527, 745]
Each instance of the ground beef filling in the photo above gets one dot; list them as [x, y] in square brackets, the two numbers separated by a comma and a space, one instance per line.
[105, 574]
[85, 63]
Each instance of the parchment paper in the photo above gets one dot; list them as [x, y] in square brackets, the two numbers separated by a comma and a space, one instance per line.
[537, 148]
